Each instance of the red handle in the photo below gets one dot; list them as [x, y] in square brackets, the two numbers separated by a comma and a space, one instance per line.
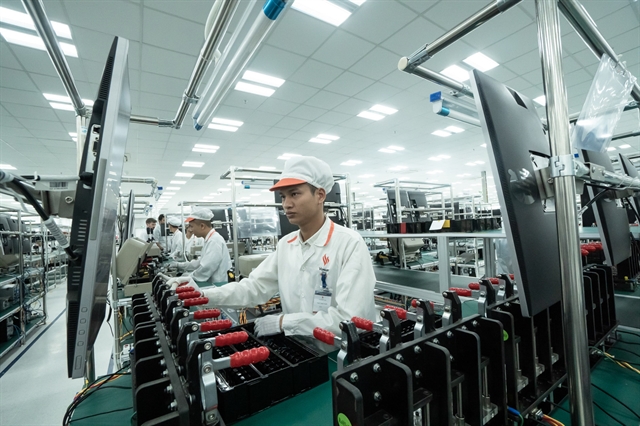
[414, 303]
[231, 338]
[195, 302]
[249, 356]
[206, 313]
[513, 277]
[184, 289]
[461, 291]
[402, 314]
[584, 252]
[324, 335]
[362, 323]
[215, 325]
[494, 281]
[189, 295]
[474, 286]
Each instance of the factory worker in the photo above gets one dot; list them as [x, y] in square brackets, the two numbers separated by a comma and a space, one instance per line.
[160, 233]
[151, 224]
[176, 241]
[192, 240]
[323, 271]
[214, 261]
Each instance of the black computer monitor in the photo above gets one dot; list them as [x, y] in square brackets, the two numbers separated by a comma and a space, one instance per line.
[630, 170]
[220, 215]
[613, 225]
[127, 230]
[391, 204]
[7, 244]
[513, 131]
[96, 202]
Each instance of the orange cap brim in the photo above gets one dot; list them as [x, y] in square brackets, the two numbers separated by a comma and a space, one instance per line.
[286, 182]
[189, 219]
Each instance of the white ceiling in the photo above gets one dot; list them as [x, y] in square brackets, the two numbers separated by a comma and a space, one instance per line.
[332, 74]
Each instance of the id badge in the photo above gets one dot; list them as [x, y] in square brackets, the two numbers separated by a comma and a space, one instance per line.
[321, 300]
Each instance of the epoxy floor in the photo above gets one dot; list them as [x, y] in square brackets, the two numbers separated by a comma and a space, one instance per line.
[35, 390]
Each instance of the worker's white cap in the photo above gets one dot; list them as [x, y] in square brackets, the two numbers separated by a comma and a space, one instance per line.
[311, 170]
[174, 221]
[200, 214]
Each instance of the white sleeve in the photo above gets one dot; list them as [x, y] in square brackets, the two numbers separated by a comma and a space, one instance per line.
[258, 288]
[176, 245]
[353, 298]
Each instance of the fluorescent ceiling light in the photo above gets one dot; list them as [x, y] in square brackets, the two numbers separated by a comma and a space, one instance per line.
[439, 157]
[455, 72]
[441, 133]
[64, 107]
[20, 19]
[318, 140]
[396, 148]
[35, 42]
[611, 148]
[286, 156]
[371, 115]
[65, 99]
[172, 188]
[366, 176]
[383, 109]
[351, 163]
[227, 122]
[484, 145]
[357, 2]
[262, 78]
[178, 182]
[481, 62]
[625, 146]
[223, 127]
[330, 137]
[387, 151]
[454, 129]
[7, 167]
[192, 164]
[187, 175]
[540, 100]
[323, 10]
[209, 149]
[252, 88]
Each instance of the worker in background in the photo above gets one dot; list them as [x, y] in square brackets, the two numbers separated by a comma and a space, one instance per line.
[214, 261]
[191, 240]
[151, 224]
[323, 271]
[160, 233]
[176, 240]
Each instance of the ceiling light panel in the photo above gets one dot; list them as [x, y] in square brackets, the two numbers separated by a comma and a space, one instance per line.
[222, 127]
[255, 89]
[178, 182]
[351, 163]
[23, 20]
[329, 137]
[323, 10]
[625, 146]
[7, 167]
[319, 140]
[227, 122]
[441, 133]
[192, 164]
[383, 109]
[187, 175]
[371, 115]
[256, 77]
[208, 149]
[481, 62]
[454, 129]
[387, 150]
[540, 100]
[457, 73]
[34, 42]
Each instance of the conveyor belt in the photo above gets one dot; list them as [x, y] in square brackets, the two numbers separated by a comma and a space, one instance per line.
[406, 278]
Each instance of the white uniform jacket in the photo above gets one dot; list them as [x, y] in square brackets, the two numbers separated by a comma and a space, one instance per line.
[214, 261]
[297, 269]
[176, 245]
[158, 237]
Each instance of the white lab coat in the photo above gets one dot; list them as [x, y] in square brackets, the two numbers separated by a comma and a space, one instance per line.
[158, 237]
[192, 242]
[176, 245]
[295, 270]
[214, 261]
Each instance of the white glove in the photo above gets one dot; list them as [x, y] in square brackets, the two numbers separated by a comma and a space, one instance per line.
[178, 281]
[268, 326]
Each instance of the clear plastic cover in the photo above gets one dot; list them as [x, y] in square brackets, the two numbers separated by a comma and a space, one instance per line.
[257, 222]
[601, 110]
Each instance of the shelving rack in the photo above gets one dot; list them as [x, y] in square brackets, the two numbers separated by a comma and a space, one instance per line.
[36, 277]
[429, 189]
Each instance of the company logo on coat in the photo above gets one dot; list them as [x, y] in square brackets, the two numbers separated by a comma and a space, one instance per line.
[325, 260]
